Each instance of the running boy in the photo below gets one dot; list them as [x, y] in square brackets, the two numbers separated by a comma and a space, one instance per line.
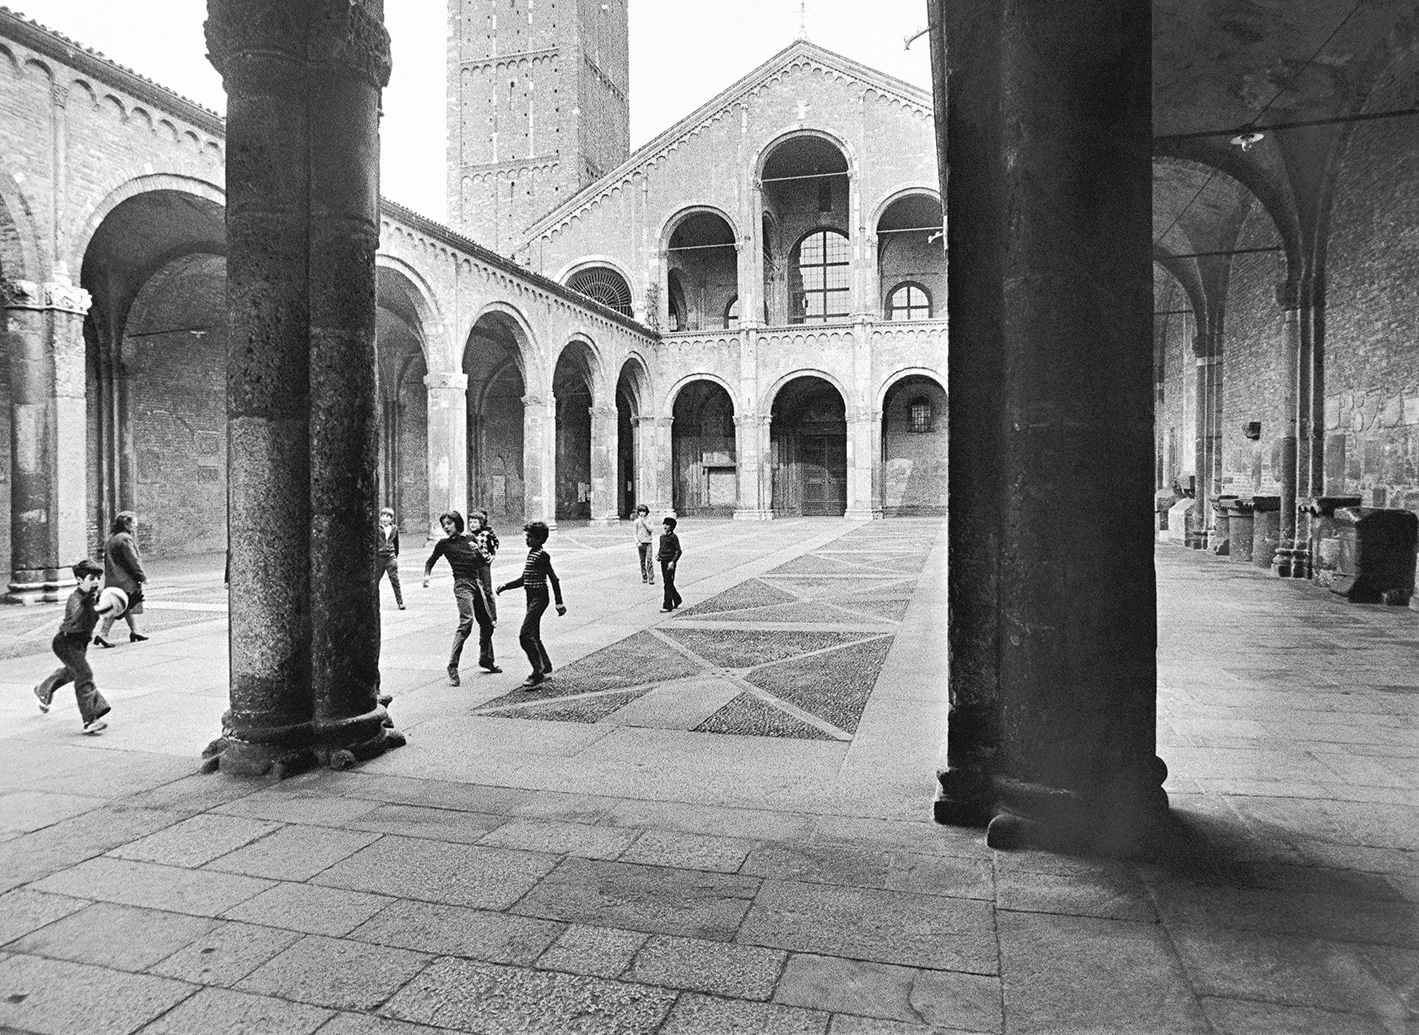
[644, 536]
[465, 560]
[71, 645]
[669, 556]
[537, 573]
[486, 540]
[388, 553]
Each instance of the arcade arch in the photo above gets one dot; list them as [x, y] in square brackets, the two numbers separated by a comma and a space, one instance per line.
[400, 351]
[702, 271]
[572, 387]
[632, 395]
[156, 370]
[914, 447]
[808, 448]
[806, 188]
[495, 361]
[704, 462]
[911, 258]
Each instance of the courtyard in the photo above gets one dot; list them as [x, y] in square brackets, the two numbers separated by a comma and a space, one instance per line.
[713, 821]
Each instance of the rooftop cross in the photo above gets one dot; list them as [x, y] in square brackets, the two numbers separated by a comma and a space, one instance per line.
[803, 21]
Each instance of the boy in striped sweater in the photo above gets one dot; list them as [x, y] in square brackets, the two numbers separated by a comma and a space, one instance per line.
[537, 576]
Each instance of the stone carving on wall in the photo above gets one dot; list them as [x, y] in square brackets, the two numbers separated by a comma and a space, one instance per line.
[55, 294]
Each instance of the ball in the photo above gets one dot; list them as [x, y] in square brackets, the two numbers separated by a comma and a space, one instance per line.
[112, 599]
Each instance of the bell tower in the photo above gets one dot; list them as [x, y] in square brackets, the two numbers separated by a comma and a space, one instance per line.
[538, 107]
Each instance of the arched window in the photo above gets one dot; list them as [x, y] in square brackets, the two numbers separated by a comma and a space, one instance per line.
[909, 302]
[603, 285]
[731, 314]
[823, 258]
[919, 415]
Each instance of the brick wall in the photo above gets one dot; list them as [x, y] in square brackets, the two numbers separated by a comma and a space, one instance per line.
[177, 405]
[1175, 416]
[1372, 312]
[1254, 350]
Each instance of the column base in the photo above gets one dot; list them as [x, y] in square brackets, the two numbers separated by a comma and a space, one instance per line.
[863, 514]
[1127, 817]
[604, 521]
[297, 749]
[49, 591]
[753, 514]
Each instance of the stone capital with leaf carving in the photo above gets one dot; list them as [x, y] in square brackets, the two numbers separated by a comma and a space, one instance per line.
[339, 33]
[55, 294]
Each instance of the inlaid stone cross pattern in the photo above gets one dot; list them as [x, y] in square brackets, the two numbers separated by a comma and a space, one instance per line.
[792, 653]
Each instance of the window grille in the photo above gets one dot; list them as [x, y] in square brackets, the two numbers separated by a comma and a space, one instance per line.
[603, 285]
[823, 261]
[909, 302]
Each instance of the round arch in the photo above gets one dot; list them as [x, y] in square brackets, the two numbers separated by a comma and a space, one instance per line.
[794, 132]
[19, 244]
[513, 320]
[766, 400]
[595, 364]
[696, 208]
[131, 185]
[893, 196]
[587, 262]
[640, 378]
[901, 374]
[699, 375]
[434, 337]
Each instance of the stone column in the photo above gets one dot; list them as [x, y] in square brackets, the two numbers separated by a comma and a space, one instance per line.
[751, 263]
[1052, 634]
[860, 463]
[751, 445]
[664, 464]
[603, 464]
[303, 80]
[647, 482]
[1284, 456]
[869, 300]
[448, 445]
[48, 452]
[539, 458]
[1209, 429]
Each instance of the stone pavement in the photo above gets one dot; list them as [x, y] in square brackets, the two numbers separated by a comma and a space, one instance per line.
[616, 859]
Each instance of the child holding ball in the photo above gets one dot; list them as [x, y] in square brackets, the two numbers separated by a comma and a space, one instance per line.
[71, 645]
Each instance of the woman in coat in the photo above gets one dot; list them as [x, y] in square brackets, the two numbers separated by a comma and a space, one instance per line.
[123, 567]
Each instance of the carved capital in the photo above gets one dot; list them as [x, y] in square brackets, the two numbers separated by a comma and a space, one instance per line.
[344, 33]
[59, 295]
[532, 402]
[603, 413]
[341, 33]
[58, 95]
[439, 381]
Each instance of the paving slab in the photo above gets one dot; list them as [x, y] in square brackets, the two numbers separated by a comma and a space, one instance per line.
[38, 854]
[1244, 1017]
[369, 1024]
[654, 899]
[119, 937]
[718, 968]
[456, 931]
[561, 838]
[40, 997]
[196, 892]
[309, 908]
[23, 911]
[294, 852]
[709, 1015]
[195, 841]
[336, 973]
[593, 951]
[221, 1011]
[225, 954]
[688, 851]
[23, 811]
[869, 924]
[937, 999]
[436, 871]
[439, 824]
[1064, 973]
[480, 997]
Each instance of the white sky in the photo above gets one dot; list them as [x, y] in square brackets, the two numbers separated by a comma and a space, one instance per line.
[683, 52]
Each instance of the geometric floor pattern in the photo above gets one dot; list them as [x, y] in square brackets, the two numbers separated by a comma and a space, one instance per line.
[793, 653]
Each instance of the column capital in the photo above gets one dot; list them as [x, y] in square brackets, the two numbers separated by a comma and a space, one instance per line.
[603, 412]
[335, 33]
[58, 294]
[440, 380]
[536, 400]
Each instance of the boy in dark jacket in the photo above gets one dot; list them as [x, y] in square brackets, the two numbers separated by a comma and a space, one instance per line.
[388, 554]
[669, 556]
[71, 645]
[537, 575]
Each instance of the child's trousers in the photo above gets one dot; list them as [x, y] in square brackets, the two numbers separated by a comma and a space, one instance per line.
[73, 651]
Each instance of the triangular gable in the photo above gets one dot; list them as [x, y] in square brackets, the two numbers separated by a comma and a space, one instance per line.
[797, 54]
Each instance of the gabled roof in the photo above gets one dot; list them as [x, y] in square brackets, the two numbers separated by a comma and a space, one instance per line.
[800, 52]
